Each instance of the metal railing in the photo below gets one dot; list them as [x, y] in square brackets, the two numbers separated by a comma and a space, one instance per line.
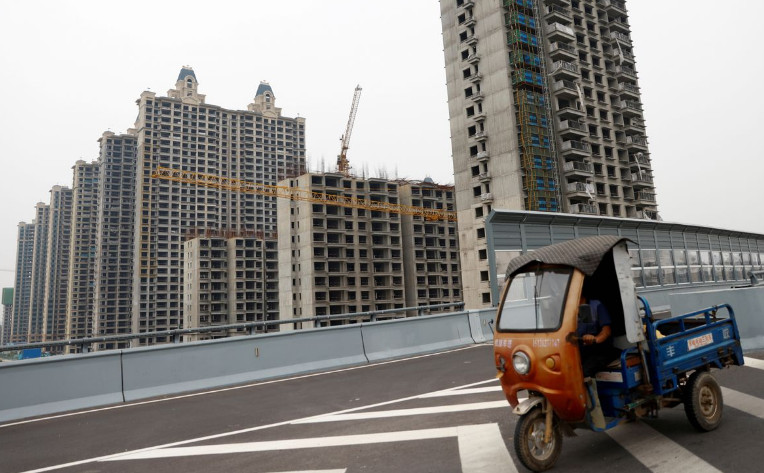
[251, 328]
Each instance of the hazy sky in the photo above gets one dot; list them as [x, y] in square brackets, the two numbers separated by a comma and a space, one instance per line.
[73, 69]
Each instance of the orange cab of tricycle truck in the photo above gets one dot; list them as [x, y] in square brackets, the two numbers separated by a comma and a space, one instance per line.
[536, 349]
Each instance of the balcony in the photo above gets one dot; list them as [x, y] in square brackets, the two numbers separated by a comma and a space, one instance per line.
[563, 51]
[575, 148]
[475, 77]
[486, 197]
[473, 58]
[647, 214]
[639, 159]
[619, 24]
[467, 4]
[565, 89]
[484, 176]
[587, 209]
[571, 112]
[573, 127]
[479, 136]
[478, 97]
[636, 142]
[479, 116]
[557, 31]
[578, 169]
[634, 127]
[580, 189]
[645, 198]
[557, 13]
[482, 156]
[613, 6]
[630, 108]
[620, 55]
[641, 180]
[565, 69]
[628, 91]
[627, 72]
[624, 39]
[470, 40]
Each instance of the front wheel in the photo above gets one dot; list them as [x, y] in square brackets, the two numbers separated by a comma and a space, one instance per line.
[532, 450]
[703, 401]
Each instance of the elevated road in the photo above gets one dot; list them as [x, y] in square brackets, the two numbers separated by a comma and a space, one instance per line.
[431, 413]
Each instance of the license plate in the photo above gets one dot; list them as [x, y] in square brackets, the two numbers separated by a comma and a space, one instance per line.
[701, 341]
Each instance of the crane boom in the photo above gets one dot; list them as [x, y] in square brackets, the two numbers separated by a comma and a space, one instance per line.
[343, 165]
[296, 193]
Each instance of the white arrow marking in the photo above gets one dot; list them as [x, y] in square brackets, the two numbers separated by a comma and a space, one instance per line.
[753, 362]
[481, 447]
[743, 402]
[656, 451]
[405, 412]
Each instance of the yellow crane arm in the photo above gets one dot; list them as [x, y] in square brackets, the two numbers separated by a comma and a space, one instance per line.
[296, 193]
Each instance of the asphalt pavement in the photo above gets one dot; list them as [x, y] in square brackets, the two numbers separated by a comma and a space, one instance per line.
[434, 413]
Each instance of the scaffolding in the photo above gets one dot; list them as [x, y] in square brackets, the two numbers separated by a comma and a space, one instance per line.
[533, 113]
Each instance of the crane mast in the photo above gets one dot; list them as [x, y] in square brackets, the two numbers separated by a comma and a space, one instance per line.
[343, 166]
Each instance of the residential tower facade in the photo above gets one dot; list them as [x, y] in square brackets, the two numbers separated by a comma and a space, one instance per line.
[545, 113]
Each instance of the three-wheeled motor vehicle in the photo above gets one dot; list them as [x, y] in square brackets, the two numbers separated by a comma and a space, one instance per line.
[655, 362]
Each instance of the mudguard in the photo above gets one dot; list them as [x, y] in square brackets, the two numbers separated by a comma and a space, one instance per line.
[525, 406]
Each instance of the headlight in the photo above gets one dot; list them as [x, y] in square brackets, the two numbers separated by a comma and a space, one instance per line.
[521, 362]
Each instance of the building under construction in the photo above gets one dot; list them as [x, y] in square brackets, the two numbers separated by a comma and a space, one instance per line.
[345, 254]
[545, 115]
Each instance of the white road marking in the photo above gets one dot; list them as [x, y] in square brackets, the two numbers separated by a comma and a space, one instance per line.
[417, 411]
[482, 450]
[656, 451]
[462, 392]
[753, 362]
[242, 431]
[234, 388]
[744, 402]
[315, 471]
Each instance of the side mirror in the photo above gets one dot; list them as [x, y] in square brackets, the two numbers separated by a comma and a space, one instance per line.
[585, 313]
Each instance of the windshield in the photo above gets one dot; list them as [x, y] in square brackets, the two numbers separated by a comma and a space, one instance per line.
[533, 301]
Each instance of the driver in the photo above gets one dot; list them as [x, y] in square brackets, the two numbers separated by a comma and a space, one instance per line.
[595, 338]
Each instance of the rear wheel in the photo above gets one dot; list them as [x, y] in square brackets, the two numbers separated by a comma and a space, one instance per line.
[532, 450]
[703, 401]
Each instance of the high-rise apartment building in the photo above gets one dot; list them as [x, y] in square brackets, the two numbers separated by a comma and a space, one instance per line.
[432, 272]
[57, 266]
[36, 321]
[341, 259]
[82, 251]
[229, 280]
[113, 276]
[181, 131]
[22, 293]
[545, 115]
[5, 327]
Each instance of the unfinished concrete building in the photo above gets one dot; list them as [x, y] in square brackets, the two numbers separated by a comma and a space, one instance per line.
[545, 115]
[341, 254]
[230, 280]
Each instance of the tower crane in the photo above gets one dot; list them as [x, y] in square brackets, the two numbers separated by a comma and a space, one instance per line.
[342, 160]
[296, 193]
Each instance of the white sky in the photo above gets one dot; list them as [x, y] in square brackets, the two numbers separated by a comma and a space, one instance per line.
[70, 70]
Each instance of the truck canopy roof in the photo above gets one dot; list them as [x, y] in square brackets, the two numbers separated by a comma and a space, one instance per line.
[584, 254]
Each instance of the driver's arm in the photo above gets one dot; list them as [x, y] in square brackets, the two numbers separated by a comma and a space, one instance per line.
[599, 338]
